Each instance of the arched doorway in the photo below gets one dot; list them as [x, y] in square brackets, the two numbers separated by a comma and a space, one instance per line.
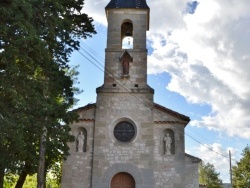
[122, 180]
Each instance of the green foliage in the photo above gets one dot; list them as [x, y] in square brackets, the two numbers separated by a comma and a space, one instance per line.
[36, 82]
[10, 180]
[241, 171]
[56, 173]
[30, 181]
[208, 176]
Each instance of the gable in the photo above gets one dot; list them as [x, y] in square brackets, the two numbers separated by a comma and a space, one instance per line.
[86, 113]
[126, 55]
[192, 159]
[165, 115]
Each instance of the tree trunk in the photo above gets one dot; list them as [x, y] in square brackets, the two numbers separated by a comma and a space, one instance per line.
[44, 176]
[1, 177]
[41, 165]
[23, 175]
[21, 179]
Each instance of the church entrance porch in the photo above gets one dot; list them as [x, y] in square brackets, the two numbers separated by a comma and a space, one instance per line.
[122, 180]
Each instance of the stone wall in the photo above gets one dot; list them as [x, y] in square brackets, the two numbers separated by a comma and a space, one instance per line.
[139, 19]
[169, 168]
[191, 172]
[138, 66]
[77, 169]
[109, 152]
[144, 157]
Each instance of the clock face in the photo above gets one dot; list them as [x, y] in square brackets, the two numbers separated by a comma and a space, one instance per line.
[124, 131]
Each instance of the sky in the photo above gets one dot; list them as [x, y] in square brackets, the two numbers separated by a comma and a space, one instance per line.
[199, 66]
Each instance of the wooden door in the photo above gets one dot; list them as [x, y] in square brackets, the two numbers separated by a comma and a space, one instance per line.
[122, 180]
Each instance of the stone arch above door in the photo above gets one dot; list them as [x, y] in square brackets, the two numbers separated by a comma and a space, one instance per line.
[122, 180]
[143, 177]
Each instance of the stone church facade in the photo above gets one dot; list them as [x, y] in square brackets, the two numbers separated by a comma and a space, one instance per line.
[125, 140]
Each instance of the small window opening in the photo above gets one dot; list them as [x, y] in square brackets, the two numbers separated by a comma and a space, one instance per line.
[127, 35]
[127, 43]
[136, 85]
[114, 85]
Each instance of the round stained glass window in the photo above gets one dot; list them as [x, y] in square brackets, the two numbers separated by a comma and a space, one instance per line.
[124, 131]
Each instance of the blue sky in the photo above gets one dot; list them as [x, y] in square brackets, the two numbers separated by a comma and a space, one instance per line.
[198, 64]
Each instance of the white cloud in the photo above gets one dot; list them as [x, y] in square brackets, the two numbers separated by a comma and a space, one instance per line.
[166, 15]
[206, 53]
[96, 10]
[217, 156]
[207, 56]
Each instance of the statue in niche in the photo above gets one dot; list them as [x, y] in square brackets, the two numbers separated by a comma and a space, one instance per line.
[125, 65]
[125, 60]
[80, 142]
[167, 143]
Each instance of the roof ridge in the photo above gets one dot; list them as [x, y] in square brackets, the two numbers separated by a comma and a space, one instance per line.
[176, 114]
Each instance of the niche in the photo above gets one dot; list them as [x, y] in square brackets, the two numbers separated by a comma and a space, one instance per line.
[81, 140]
[168, 142]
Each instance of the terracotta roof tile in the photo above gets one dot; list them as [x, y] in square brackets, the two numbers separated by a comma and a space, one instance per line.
[88, 106]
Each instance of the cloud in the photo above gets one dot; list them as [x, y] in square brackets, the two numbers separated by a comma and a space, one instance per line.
[219, 157]
[96, 10]
[204, 46]
[207, 55]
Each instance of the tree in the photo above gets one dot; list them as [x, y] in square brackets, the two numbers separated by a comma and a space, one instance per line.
[208, 176]
[241, 171]
[36, 40]
[10, 179]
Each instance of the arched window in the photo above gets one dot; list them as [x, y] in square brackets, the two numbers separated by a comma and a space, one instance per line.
[127, 35]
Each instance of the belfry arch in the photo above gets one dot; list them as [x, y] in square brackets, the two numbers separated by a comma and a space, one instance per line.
[127, 34]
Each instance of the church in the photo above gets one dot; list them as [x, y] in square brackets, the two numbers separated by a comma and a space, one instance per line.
[125, 139]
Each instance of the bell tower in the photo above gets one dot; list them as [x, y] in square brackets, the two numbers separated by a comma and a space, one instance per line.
[123, 138]
[126, 53]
